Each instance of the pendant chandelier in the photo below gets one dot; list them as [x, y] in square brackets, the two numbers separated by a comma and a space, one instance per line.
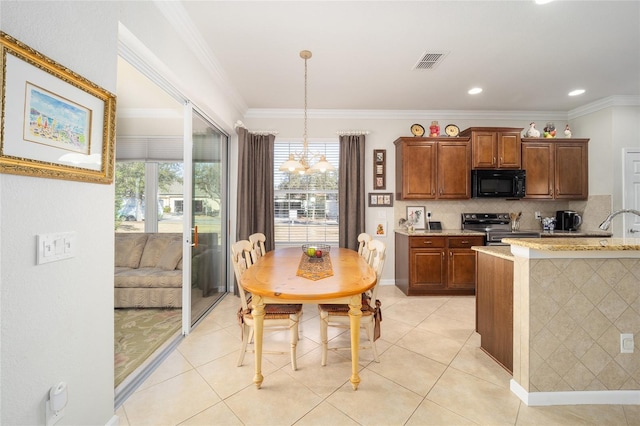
[301, 162]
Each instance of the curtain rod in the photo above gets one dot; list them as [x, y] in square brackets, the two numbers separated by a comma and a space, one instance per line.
[256, 132]
[352, 132]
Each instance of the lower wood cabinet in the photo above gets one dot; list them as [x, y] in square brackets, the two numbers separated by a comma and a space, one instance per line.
[494, 308]
[436, 264]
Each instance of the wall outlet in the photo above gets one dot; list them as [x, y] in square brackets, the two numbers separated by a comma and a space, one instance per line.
[428, 214]
[626, 343]
[537, 215]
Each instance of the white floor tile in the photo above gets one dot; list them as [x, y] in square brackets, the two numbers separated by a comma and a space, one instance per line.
[432, 372]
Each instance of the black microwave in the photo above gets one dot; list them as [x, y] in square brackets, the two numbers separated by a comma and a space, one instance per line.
[498, 183]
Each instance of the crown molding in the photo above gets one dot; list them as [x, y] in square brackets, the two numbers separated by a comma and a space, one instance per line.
[590, 108]
[604, 103]
[406, 114]
[179, 19]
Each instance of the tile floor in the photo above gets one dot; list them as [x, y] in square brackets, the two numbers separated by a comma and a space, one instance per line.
[431, 372]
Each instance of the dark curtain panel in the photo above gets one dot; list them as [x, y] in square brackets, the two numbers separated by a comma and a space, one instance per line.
[351, 196]
[255, 186]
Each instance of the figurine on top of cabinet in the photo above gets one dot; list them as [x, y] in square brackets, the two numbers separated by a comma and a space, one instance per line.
[434, 129]
[532, 132]
[550, 130]
[567, 132]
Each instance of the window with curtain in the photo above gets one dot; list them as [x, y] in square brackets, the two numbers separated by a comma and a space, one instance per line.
[306, 206]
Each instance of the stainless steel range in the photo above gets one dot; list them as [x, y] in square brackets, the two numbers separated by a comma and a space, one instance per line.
[496, 225]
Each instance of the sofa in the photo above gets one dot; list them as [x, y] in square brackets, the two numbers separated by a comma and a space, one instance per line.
[148, 270]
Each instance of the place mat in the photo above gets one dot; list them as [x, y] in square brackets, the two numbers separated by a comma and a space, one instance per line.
[315, 268]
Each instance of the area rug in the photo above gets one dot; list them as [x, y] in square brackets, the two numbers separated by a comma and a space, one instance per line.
[138, 333]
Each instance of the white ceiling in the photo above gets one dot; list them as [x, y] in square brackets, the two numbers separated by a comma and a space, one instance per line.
[526, 57]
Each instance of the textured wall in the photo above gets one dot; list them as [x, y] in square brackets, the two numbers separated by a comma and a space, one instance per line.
[570, 332]
[57, 318]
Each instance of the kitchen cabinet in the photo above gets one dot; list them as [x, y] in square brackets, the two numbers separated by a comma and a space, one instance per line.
[428, 264]
[433, 168]
[494, 307]
[462, 262]
[495, 147]
[556, 169]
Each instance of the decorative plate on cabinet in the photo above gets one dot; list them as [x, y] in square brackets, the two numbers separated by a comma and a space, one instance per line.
[417, 130]
[452, 130]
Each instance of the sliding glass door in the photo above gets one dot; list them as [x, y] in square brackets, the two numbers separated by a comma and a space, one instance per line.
[207, 214]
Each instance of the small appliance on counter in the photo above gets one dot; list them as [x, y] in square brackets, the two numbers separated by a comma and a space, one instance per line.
[496, 227]
[567, 220]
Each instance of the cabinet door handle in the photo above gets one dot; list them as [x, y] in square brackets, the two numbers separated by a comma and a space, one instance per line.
[464, 242]
[494, 160]
[451, 255]
[428, 242]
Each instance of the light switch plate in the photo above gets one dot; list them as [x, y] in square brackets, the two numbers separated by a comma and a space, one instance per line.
[54, 247]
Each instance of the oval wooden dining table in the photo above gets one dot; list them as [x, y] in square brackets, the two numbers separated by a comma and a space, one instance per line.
[273, 279]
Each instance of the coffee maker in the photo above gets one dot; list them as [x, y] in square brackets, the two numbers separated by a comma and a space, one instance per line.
[567, 220]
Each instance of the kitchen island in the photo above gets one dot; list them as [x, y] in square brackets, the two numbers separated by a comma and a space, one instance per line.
[572, 299]
[494, 303]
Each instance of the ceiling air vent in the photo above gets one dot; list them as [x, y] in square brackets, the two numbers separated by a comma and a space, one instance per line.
[430, 60]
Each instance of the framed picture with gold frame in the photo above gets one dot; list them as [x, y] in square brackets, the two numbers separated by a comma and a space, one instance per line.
[56, 124]
[379, 169]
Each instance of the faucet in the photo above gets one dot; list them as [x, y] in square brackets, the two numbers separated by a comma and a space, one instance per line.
[607, 222]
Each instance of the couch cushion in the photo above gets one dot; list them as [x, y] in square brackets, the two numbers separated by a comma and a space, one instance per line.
[148, 277]
[128, 249]
[171, 256]
[153, 250]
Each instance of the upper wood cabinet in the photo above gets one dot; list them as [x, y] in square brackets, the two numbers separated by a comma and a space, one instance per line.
[433, 168]
[556, 168]
[494, 147]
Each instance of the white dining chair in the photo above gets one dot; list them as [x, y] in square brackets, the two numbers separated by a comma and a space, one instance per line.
[257, 241]
[363, 249]
[277, 316]
[337, 315]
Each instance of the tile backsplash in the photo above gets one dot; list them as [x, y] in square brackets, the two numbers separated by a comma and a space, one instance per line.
[593, 211]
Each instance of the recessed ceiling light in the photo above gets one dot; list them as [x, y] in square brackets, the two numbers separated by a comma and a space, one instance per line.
[543, 1]
[576, 92]
[475, 91]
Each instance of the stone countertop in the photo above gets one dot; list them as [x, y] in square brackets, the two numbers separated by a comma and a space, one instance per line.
[576, 234]
[576, 244]
[503, 252]
[440, 233]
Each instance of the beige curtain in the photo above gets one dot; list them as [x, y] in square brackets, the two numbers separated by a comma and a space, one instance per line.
[255, 186]
[351, 195]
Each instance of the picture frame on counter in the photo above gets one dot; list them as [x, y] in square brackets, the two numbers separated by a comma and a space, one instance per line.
[415, 215]
[380, 199]
[379, 169]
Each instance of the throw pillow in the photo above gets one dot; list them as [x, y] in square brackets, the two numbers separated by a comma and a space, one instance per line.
[156, 244]
[128, 250]
[171, 256]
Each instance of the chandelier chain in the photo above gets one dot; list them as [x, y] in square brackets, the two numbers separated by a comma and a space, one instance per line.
[305, 105]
